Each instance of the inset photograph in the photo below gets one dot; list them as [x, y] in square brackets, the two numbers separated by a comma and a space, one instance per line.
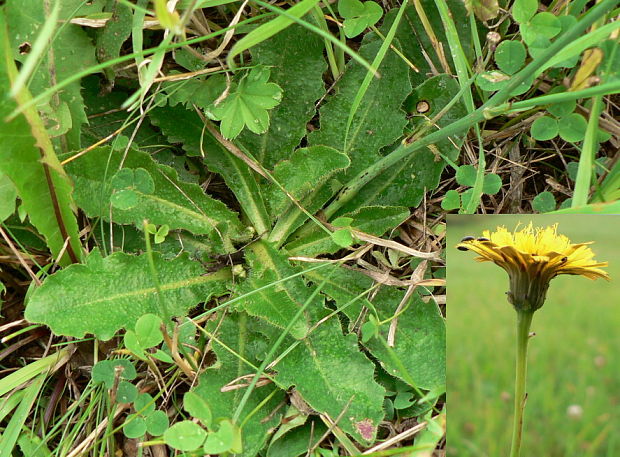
[533, 336]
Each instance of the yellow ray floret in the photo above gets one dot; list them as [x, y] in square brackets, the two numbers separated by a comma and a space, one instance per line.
[532, 257]
[539, 250]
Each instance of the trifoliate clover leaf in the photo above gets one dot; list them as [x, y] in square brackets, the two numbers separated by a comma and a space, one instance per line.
[128, 184]
[544, 128]
[144, 404]
[523, 10]
[451, 200]
[546, 24]
[148, 330]
[126, 392]
[369, 331]
[247, 104]
[572, 127]
[358, 16]
[492, 184]
[510, 56]
[134, 427]
[226, 438]
[157, 423]
[105, 371]
[466, 175]
[197, 407]
[130, 339]
[124, 199]
[185, 436]
[544, 202]
[491, 81]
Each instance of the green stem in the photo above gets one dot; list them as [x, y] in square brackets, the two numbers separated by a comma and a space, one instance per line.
[524, 320]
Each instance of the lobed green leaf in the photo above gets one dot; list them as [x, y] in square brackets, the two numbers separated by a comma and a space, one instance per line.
[107, 294]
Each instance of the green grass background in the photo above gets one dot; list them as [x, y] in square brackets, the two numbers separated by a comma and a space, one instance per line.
[574, 359]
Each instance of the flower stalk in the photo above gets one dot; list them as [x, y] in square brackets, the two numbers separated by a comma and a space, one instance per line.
[524, 321]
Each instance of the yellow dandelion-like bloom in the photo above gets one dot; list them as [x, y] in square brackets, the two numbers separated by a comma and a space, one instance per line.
[532, 257]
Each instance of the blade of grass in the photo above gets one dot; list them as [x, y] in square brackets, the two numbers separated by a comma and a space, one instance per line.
[9, 403]
[592, 208]
[589, 149]
[582, 43]
[27, 156]
[109, 63]
[329, 49]
[610, 187]
[524, 105]
[463, 71]
[268, 358]
[25, 374]
[14, 427]
[590, 145]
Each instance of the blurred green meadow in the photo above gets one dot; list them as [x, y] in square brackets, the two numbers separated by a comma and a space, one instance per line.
[573, 382]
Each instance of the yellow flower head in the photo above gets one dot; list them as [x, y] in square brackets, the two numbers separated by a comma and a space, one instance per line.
[532, 257]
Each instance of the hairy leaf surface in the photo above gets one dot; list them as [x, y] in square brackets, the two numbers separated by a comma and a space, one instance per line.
[334, 377]
[295, 56]
[279, 304]
[326, 367]
[237, 333]
[306, 177]
[420, 337]
[375, 220]
[186, 127]
[379, 120]
[406, 182]
[28, 159]
[419, 342]
[107, 294]
[8, 195]
[71, 52]
[416, 45]
[178, 204]
[300, 176]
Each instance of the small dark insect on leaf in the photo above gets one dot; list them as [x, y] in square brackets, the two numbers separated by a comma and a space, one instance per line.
[564, 259]
[462, 248]
[25, 48]
[467, 238]
[483, 239]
